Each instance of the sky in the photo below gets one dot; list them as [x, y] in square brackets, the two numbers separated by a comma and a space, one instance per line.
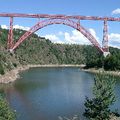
[61, 33]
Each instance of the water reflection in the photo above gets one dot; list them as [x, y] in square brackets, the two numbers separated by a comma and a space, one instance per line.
[46, 93]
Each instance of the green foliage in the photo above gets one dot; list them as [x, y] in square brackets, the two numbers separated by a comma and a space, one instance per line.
[38, 50]
[6, 113]
[14, 64]
[93, 57]
[112, 62]
[97, 108]
[1, 69]
[96, 60]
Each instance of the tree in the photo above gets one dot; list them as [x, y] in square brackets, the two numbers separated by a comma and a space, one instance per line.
[1, 69]
[6, 113]
[97, 108]
[112, 62]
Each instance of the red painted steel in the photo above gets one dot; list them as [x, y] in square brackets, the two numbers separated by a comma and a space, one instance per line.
[10, 34]
[59, 16]
[67, 22]
[60, 19]
[105, 37]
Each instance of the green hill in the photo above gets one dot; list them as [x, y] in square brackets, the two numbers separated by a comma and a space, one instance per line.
[38, 50]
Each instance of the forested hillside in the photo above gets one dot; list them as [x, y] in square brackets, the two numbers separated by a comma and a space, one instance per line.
[38, 50]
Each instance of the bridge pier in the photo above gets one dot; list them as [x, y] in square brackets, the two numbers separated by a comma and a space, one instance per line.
[10, 34]
[11, 51]
[105, 54]
[105, 39]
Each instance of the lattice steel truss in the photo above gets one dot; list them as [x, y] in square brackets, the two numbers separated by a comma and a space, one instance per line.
[72, 21]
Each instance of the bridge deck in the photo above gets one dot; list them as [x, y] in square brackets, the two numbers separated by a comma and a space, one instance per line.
[59, 16]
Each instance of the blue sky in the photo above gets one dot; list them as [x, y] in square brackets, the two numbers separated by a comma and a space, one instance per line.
[60, 33]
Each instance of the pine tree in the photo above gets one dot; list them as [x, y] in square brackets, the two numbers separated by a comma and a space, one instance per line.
[97, 108]
[6, 113]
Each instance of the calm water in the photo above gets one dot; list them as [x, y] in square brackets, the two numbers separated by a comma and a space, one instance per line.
[46, 93]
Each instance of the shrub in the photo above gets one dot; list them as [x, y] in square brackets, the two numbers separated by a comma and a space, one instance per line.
[1, 70]
[14, 64]
[97, 108]
[6, 113]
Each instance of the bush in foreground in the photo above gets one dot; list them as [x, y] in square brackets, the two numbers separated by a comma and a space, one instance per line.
[6, 113]
[97, 108]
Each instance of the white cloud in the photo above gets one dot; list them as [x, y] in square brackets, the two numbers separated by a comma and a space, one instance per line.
[92, 31]
[115, 46]
[116, 11]
[4, 26]
[73, 37]
[21, 27]
[114, 39]
[53, 38]
[16, 27]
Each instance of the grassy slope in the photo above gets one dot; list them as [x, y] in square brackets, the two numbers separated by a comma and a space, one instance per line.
[37, 50]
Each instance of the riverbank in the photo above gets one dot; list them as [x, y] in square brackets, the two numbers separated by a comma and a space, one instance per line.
[93, 70]
[12, 75]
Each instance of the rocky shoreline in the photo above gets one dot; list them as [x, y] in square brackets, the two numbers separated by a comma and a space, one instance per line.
[115, 73]
[12, 75]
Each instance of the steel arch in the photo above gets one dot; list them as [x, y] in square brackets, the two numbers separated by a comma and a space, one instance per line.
[64, 21]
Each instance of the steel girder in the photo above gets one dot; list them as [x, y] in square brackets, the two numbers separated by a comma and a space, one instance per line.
[10, 34]
[64, 21]
[59, 16]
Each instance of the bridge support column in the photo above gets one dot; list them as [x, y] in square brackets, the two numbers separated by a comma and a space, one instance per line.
[105, 54]
[10, 35]
[105, 39]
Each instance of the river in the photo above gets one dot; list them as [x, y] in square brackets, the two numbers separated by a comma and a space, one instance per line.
[47, 93]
